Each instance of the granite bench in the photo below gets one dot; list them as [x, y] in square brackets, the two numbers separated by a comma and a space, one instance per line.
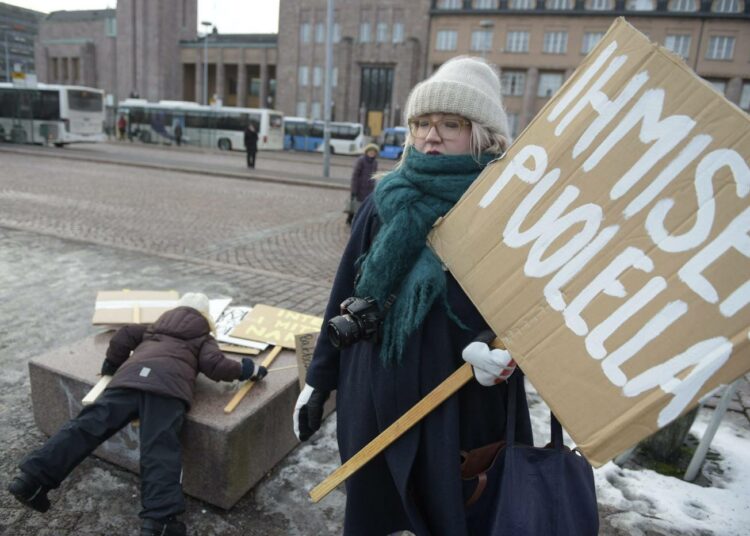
[224, 455]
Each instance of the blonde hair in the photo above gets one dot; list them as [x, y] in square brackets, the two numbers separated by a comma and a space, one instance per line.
[482, 140]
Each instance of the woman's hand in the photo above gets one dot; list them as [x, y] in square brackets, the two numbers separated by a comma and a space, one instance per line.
[490, 365]
[308, 412]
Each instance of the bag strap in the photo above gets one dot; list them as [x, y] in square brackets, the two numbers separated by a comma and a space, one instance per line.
[510, 419]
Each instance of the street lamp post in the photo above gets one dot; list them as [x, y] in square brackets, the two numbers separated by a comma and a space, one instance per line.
[206, 24]
[7, 56]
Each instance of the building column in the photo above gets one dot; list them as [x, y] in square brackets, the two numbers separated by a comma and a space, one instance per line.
[199, 75]
[529, 97]
[241, 80]
[220, 75]
[263, 97]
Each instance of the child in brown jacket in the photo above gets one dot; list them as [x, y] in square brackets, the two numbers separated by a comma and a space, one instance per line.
[155, 384]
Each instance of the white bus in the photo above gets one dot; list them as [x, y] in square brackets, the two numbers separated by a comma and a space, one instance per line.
[222, 127]
[51, 114]
[302, 134]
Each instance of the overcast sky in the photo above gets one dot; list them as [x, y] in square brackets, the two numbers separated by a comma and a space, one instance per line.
[231, 16]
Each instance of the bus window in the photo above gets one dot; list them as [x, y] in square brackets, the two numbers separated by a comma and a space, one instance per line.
[275, 120]
[8, 102]
[47, 105]
[85, 101]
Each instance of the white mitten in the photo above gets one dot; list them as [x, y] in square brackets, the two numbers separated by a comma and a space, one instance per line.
[490, 365]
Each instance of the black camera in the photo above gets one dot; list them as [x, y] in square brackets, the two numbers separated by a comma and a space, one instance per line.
[360, 319]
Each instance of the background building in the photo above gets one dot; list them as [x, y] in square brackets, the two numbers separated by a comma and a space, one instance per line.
[131, 50]
[18, 29]
[241, 69]
[380, 51]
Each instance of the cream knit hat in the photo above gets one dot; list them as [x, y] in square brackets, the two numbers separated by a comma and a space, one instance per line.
[464, 85]
[200, 303]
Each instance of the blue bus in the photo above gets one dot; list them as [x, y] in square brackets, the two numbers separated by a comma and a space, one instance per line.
[301, 134]
[393, 142]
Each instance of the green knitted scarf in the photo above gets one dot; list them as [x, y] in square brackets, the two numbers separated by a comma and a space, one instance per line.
[400, 263]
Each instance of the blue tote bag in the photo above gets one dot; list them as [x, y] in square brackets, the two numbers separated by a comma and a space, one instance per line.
[512, 489]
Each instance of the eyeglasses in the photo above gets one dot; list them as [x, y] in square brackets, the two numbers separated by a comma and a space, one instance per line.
[448, 128]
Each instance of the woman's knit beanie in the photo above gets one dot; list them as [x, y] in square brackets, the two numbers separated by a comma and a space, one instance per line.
[200, 303]
[464, 85]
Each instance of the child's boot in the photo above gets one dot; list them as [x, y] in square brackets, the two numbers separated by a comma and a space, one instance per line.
[163, 527]
[28, 491]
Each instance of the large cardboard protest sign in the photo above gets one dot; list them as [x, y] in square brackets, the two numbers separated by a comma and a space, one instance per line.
[117, 307]
[609, 247]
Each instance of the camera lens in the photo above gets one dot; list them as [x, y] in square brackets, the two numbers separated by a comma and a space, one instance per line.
[342, 331]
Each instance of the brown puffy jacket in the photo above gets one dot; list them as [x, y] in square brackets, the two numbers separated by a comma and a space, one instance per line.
[168, 355]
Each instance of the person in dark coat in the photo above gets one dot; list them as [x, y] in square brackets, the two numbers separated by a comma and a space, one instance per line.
[429, 328]
[362, 184]
[251, 144]
[178, 134]
[155, 384]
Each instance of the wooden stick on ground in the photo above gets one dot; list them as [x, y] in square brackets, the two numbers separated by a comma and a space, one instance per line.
[415, 414]
[237, 398]
[96, 390]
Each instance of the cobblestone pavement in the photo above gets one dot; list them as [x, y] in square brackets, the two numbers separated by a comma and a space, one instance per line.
[70, 227]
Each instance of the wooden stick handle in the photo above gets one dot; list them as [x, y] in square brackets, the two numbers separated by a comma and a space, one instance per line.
[240, 394]
[415, 414]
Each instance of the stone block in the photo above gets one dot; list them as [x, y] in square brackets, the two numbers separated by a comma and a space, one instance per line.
[224, 455]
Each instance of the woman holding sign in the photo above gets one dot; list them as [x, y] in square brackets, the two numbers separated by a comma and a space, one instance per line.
[397, 324]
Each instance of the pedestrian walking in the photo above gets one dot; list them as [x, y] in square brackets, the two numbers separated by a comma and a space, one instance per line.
[122, 124]
[408, 325]
[251, 144]
[362, 184]
[154, 385]
[178, 134]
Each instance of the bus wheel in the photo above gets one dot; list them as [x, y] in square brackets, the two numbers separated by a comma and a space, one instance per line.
[225, 144]
[59, 145]
[145, 136]
[332, 149]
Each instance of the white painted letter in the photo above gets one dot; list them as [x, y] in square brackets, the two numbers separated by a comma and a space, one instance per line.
[517, 167]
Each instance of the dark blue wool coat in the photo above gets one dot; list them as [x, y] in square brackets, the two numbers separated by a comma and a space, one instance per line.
[415, 484]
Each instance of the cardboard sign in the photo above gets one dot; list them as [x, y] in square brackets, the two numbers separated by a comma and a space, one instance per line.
[275, 326]
[304, 346]
[132, 306]
[609, 247]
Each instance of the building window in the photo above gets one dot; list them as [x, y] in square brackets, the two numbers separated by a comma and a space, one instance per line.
[679, 44]
[559, 5]
[320, 32]
[590, 39]
[364, 32]
[335, 77]
[450, 4]
[481, 40]
[304, 32]
[513, 124]
[682, 5]
[55, 71]
[720, 47]
[302, 76]
[485, 4]
[548, 84]
[317, 76]
[74, 69]
[381, 33]
[513, 83]
[745, 96]
[718, 84]
[555, 42]
[521, 4]
[336, 32]
[639, 5]
[301, 109]
[315, 110]
[517, 42]
[398, 32]
[446, 40]
[110, 27]
[599, 5]
[726, 6]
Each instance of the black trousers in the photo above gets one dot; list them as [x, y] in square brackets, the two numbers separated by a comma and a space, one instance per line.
[161, 419]
[251, 159]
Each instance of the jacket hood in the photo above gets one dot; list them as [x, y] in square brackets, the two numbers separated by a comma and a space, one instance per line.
[182, 323]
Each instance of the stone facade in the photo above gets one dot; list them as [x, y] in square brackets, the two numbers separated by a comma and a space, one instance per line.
[134, 49]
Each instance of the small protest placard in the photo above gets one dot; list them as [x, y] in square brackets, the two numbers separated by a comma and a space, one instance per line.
[304, 348]
[609, 247]
[275, 326]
